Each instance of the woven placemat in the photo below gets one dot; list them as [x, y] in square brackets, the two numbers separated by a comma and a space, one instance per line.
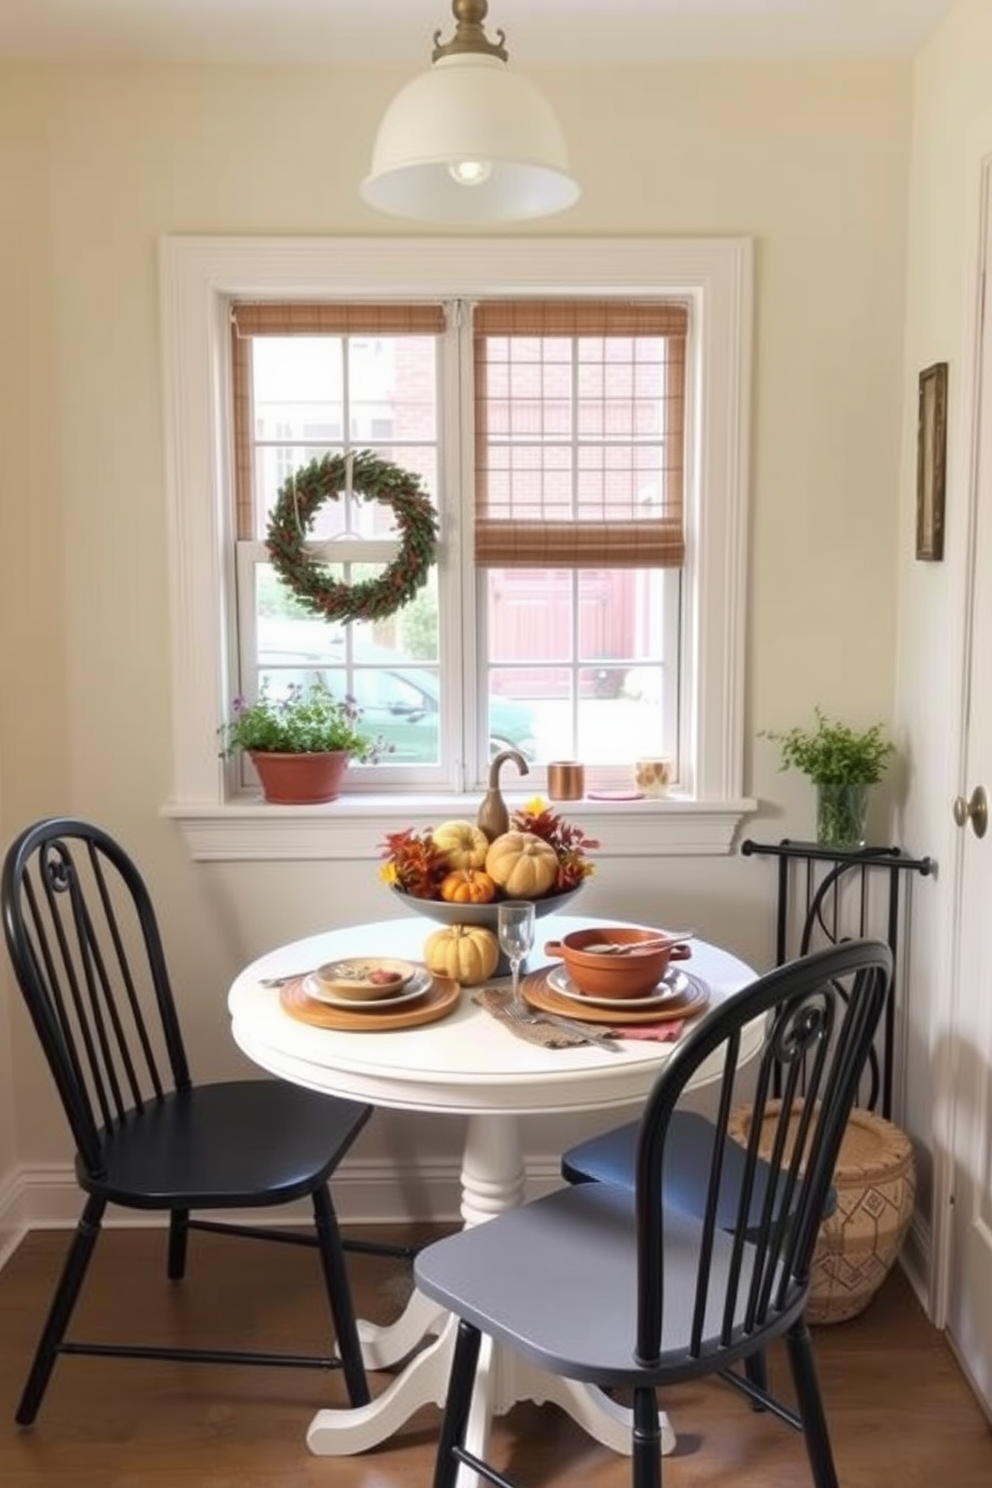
[440, 999]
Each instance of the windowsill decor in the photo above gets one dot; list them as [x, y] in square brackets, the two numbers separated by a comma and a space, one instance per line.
[842, 763]
[301, 744]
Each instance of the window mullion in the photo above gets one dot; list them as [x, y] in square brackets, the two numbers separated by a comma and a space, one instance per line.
[461, 660]
[576, 577]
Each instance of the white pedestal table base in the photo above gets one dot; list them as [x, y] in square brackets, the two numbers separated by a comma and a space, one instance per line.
[492, 1181]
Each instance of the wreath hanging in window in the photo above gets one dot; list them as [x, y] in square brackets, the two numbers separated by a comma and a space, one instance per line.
[364, 475]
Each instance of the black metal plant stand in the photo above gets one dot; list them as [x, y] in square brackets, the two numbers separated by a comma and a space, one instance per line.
[829, 894]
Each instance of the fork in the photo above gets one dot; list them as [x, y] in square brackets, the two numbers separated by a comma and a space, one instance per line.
[518, 1013]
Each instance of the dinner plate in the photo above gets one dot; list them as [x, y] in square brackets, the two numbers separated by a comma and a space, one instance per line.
[537, 993]
[418, 984]
[673, 984]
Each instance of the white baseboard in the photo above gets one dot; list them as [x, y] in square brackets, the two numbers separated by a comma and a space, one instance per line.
[914, 1259]
[371, 1192]
[13, 1215]
[965, 1366]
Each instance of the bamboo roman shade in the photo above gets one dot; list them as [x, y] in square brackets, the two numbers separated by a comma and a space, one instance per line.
[252, 319]
[580, 429]
[337, 320]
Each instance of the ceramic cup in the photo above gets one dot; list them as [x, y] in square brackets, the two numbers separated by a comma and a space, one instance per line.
[653, 775]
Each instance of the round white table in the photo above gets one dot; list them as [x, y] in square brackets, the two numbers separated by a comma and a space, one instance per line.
[467, 1064]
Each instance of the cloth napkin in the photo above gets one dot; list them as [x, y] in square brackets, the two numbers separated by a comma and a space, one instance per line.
[496, 1000]
[660, 1033]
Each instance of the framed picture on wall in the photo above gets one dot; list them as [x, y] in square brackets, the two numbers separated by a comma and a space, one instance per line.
[931, 456]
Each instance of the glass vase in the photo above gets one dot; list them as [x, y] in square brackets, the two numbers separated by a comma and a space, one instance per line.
[841, 815]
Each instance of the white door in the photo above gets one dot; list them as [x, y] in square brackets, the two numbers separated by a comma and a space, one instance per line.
[969, 1310]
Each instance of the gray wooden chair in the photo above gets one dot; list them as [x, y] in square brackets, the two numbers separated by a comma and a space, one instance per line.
[588, 1286]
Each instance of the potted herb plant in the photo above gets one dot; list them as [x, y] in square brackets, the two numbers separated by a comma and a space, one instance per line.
[300, 744]
[842, 763]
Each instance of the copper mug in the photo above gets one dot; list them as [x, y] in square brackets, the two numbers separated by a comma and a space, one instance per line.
[566, 780]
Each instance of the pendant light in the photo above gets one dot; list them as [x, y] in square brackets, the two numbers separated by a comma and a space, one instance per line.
[469, 141]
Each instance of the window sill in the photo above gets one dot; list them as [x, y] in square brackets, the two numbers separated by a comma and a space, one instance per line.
[353, 827]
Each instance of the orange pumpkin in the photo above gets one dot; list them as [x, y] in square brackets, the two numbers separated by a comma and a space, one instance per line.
[467, 886]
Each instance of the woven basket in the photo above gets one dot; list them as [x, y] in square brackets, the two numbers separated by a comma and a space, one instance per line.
[875, 1183]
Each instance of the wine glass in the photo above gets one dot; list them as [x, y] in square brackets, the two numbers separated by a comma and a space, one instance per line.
[515, 932]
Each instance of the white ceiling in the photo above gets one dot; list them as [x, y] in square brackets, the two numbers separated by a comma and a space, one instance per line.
[401, 30]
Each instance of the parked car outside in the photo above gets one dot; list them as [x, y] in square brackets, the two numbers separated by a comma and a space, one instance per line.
[400, 701]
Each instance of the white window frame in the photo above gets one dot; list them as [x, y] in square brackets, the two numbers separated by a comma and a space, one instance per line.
[199, 279]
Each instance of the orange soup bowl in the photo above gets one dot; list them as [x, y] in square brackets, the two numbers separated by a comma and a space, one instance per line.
[616, 973]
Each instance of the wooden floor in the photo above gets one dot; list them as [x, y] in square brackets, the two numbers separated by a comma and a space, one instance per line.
[900, 1411]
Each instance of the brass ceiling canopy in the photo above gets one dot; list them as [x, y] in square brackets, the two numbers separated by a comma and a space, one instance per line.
[470, 33]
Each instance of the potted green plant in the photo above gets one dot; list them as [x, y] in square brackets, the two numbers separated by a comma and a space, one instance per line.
[301, 743]
[842, 763]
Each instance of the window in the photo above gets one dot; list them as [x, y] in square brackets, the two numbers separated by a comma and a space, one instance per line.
[555, 433]
[579, 440]
[577, 451]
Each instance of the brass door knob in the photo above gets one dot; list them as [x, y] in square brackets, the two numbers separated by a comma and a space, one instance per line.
[975, 811]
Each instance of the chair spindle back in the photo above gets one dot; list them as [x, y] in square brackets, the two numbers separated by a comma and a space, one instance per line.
[84, 943]
[821, 1014]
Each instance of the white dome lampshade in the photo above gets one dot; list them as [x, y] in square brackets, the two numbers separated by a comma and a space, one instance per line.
[469, 141]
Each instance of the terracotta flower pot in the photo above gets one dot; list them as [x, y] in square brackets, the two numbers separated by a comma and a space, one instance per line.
[300, 779]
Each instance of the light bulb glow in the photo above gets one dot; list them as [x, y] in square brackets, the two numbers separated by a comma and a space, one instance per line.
[470, 172]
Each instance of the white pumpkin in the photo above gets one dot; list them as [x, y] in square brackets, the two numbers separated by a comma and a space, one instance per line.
[463, 843]
[523, 864]
[466, 953]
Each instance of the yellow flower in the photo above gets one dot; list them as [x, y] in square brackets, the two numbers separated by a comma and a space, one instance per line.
[536, 806]
[388, 873]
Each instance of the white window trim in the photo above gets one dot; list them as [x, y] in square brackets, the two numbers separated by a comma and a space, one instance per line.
[199, 277]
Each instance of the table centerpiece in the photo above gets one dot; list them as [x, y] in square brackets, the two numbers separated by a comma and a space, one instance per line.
[455, 874]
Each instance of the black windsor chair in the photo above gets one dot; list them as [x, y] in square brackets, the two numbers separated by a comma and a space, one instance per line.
[592, 1286]
[82, 936]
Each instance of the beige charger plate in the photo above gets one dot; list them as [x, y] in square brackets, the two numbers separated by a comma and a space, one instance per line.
[439, 999]
[684, 1004]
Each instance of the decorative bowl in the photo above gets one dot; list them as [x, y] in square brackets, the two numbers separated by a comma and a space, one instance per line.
[613, 974]
[479, 914]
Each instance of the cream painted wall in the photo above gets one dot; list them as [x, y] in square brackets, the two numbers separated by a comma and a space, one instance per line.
[952, 90]
[810, 160]
[32, 673]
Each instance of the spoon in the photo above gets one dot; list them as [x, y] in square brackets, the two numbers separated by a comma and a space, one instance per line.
[624, 948]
